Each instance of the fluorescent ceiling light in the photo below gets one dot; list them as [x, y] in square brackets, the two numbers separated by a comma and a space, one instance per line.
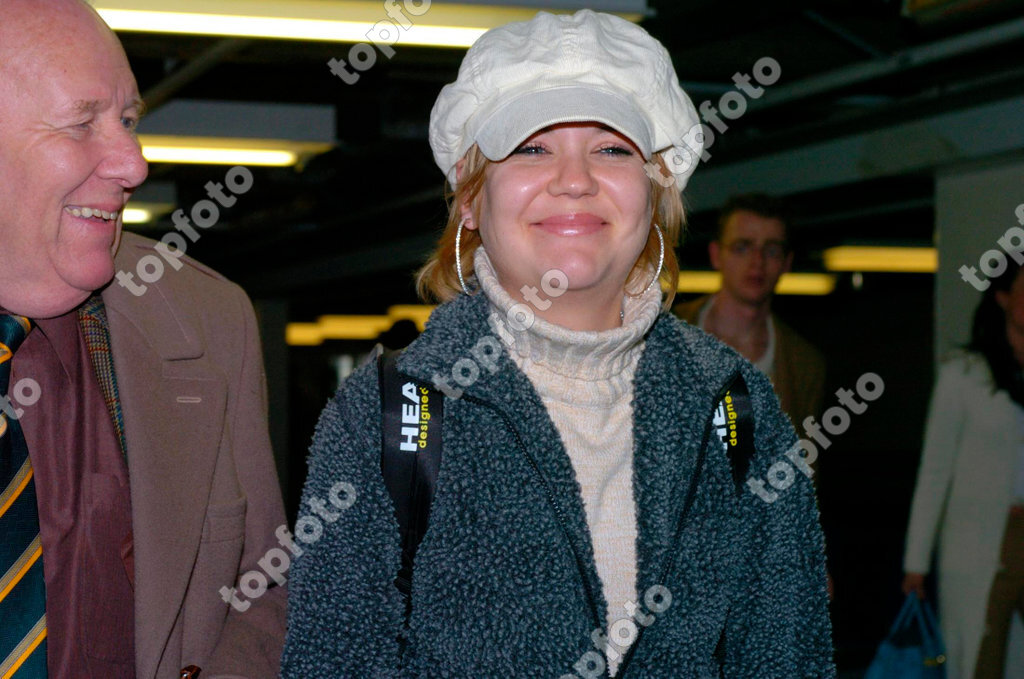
[806, 284]
[789, 284]
[136, 215]
[440, 25]
[228, 151]
[303, 335]
[417, 313]
[699, 281]
[355, 327]
[889, 259]
[143, 213]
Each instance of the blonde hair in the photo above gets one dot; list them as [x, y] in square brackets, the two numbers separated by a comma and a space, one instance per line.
[437, 280]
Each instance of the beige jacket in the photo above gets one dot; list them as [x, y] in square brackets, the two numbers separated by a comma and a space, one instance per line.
[204, 490]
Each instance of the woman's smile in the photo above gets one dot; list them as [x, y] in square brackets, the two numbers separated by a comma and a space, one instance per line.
[572, 224]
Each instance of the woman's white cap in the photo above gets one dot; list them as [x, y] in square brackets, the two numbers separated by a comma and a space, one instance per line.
[522, 77]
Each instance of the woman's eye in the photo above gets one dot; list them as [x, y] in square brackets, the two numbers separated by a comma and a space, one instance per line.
[529, 149]
[617, 151]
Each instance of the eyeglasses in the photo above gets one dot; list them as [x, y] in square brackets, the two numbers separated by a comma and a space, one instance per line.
[775, 250]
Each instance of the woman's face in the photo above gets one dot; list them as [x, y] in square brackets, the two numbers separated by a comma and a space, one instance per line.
[572, 197]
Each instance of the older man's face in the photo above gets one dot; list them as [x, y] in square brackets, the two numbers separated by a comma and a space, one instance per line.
[69, 158]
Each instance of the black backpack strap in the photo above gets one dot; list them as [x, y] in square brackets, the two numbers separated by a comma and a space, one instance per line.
[410, 460]
[734, 420]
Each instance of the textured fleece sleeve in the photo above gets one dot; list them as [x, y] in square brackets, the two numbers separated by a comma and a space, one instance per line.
[778, 626]
[345, 614]
[941, 441]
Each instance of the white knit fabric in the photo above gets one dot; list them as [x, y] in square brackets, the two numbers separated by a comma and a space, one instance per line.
[585, 380]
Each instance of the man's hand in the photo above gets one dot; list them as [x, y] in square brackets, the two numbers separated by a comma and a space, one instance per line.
[914, 582]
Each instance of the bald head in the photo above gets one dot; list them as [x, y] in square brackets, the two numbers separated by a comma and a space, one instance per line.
[30, 29]
[45, 9]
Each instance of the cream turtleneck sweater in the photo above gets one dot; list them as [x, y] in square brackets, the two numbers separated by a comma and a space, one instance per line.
[585, 380]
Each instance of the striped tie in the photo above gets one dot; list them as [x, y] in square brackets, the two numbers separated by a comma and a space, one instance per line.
[22, 593]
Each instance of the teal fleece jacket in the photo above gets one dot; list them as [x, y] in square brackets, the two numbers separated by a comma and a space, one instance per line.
[505, 583]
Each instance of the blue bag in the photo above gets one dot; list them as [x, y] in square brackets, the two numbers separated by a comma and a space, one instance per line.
[913, 649]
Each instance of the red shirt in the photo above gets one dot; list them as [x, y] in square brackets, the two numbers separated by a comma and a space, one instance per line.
[84, 505]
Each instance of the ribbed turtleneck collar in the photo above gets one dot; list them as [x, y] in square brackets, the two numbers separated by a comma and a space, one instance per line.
[592, 368]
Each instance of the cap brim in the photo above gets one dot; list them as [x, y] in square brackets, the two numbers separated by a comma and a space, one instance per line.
[513, 121]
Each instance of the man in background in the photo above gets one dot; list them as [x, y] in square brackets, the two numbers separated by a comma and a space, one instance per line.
[136, 476]
[751, 250]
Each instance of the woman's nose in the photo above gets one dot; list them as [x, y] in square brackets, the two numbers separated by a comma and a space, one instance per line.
[574, 176]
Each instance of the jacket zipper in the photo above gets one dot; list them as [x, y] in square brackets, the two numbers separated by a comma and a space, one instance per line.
[560, 516]
[556, 507]
[690, 496]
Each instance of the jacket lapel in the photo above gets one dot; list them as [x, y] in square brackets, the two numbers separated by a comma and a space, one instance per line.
[173, 418]
[665, 444]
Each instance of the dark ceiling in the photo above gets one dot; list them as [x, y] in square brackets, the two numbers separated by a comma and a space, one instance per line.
[343, 234]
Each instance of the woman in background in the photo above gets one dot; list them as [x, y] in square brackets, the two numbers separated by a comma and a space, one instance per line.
[970, 488]
[586, 520]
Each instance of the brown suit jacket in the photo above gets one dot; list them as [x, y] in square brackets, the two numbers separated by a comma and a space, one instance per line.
[799, 378]
[204, 491]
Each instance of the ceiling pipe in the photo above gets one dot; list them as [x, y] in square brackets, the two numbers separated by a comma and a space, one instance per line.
[843, 33]
[159, 94]
[899, 62]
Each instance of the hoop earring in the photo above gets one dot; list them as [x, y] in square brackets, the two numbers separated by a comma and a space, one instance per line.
[661, 260]
[458, 255]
